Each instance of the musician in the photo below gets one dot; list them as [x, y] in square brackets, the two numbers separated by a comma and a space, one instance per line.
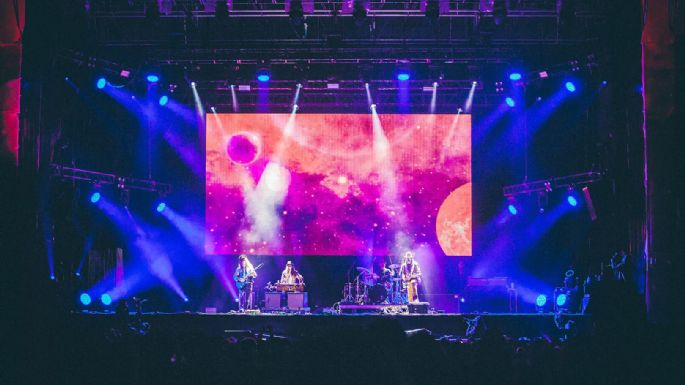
[290, 276]
[244, 276]
[410, 272]
[620, 265]
[380, 269]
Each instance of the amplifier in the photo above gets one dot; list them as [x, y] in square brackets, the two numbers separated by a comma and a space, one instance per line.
[418, 308]
[273, 301]
[297, 301]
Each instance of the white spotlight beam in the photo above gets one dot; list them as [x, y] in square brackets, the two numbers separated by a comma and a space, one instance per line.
[198, 102]
[434, 97]
[234, 99]
[469, 100]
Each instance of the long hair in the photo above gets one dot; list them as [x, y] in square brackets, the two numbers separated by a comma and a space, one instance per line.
[248, 264]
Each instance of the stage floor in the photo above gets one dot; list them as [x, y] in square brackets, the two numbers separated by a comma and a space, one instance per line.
[299, 325]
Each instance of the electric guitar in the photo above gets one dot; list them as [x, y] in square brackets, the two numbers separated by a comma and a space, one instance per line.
[411, 278]
[241, 282]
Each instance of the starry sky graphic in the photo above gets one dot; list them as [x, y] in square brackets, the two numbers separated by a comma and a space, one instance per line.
[334, 201]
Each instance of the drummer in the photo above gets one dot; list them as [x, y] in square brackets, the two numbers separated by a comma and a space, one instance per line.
[380, 270]
[384, 273]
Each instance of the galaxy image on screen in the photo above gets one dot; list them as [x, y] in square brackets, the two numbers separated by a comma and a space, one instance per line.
[338, 184]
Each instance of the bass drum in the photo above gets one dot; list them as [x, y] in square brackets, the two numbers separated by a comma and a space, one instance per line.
[377, 294]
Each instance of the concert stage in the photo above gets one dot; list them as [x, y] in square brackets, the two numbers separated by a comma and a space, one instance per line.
[300, 325]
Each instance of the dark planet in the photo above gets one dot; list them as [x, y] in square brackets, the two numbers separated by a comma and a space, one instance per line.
[243, 148]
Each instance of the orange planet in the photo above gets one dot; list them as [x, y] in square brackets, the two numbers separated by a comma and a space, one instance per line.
[453, 226]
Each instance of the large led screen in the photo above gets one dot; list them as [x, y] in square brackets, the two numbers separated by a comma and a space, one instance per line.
[338, 184]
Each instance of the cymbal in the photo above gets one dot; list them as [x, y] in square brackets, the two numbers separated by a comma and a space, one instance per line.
[364, 270]
[394, 266]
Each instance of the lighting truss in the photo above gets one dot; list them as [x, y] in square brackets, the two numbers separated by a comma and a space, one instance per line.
[101, 178]
[551, 184]
[246, 8]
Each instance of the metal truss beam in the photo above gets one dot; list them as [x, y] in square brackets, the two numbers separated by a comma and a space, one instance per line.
[551, 184]
[101, 178]
[255, 27]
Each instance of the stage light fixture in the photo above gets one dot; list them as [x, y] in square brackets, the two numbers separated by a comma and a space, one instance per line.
[403, 76]
[161, 207]
[95, 197]
[561, 300]
[541, 300]
[263, 75]
[571, 197]
[296, 12]
[512, 209]
[510, 102]
[101, 83]
[570, 87]
[152, 78]
[186, 299]
[604, 83]
[163, 100]
[106, 299]
[515, 76]
[85, 299]
[432, 9]
[359, 11]
[589, 204]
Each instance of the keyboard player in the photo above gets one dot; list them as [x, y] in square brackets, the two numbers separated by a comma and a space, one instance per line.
[290, 276]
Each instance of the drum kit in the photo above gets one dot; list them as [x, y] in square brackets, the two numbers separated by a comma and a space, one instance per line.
[368, 288]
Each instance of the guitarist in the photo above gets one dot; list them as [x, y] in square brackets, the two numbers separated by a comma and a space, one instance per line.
[244, 276]
[410, 272]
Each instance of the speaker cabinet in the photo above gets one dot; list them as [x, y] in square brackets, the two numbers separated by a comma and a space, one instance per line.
[297, 301]
[273, 301]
